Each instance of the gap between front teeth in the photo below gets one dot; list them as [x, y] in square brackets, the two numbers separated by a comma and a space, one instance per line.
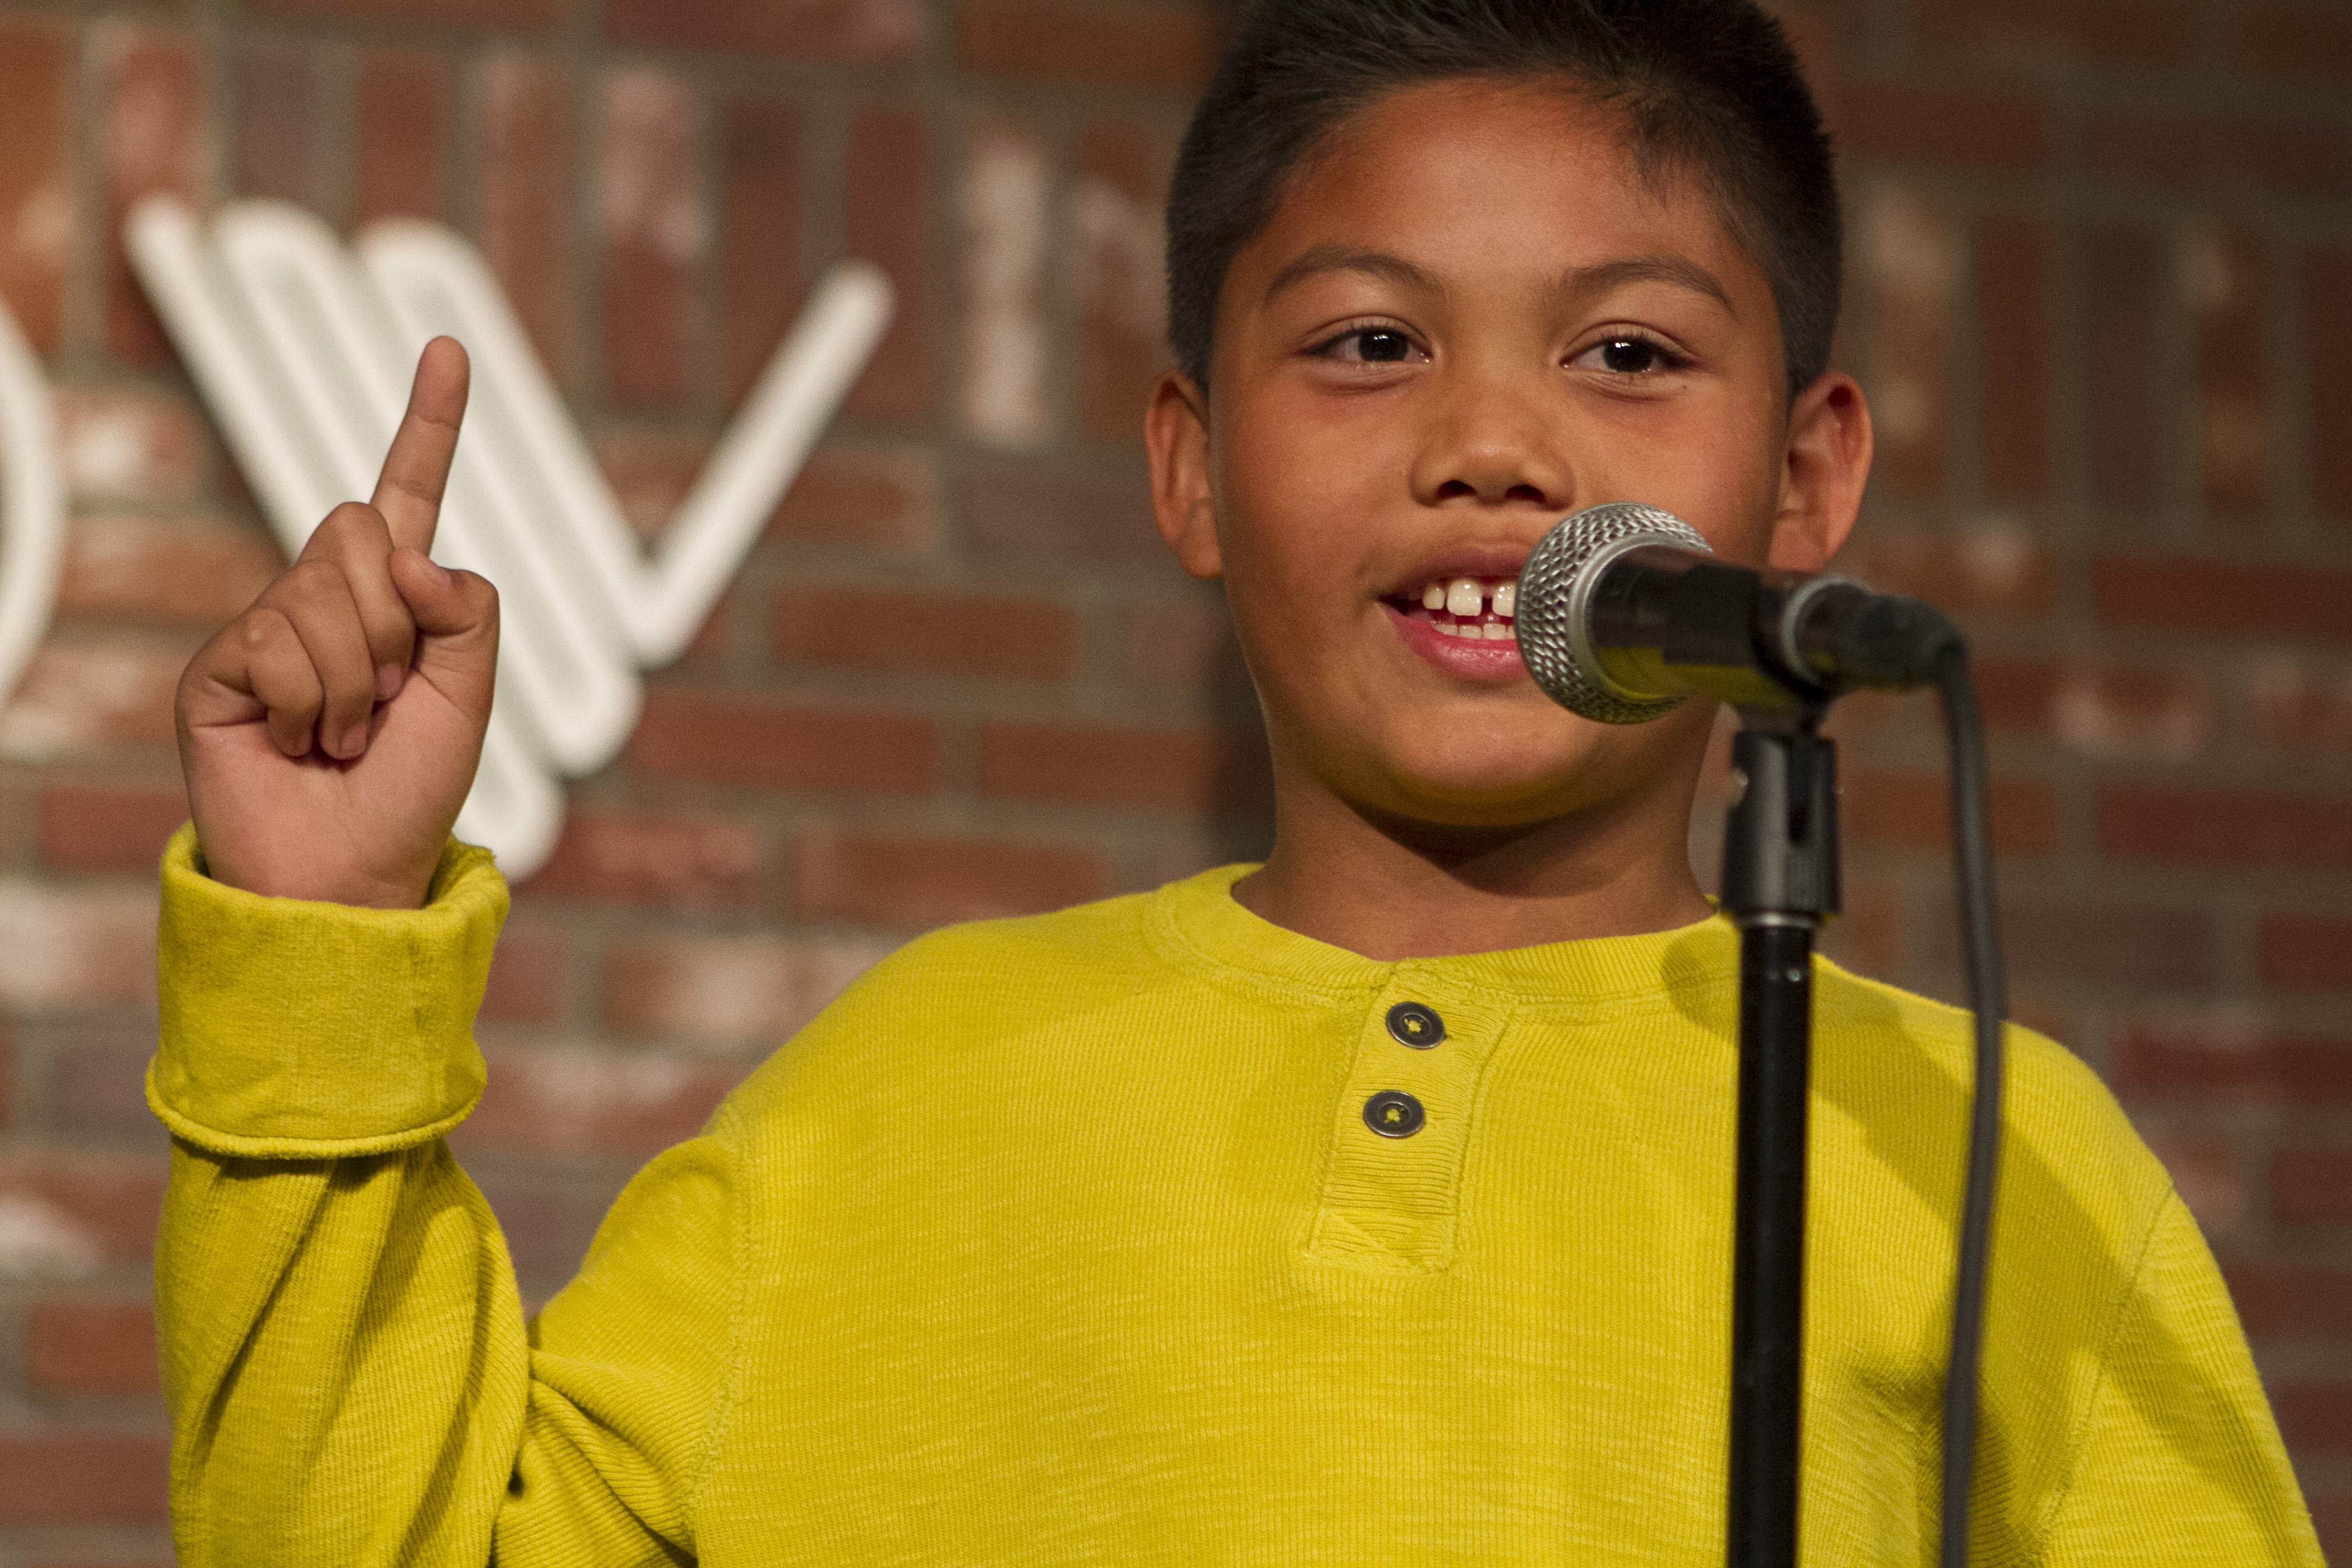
[1466, 599]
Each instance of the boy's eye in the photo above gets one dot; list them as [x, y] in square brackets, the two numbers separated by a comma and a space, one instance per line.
[1374, 345]
[1629, 355]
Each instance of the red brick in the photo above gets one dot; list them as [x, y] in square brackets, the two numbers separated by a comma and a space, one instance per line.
[2193, 593]
[91, 1347]
[279, 144]
[1122, 288]
[863, 496]
[530, 975]
[124, 444]
[461, 13]
[1006, 203]
[2168, 950]
[655, 227]
[98, 1081]
[403, 145]
[524, 184]
[73, 696]
[760, 239]
[2012, 693]
[2298, 1299]
[803, 30]
[2233, 420]
[2314, 1417]
[1910, 122]
[1024, 509]
[726, 739]
[36, 183]
[62, 1478]
[1187, 643]
[650, 472]
[129, 568]
[2328, 312]
[731, 993]
[2295, 704]
[1914, 810]
[2306, 953]
[1214, 770]
[572, 1100]
[2139, 715]
[76, 947]
[2224, 827]
[2144, 32]
[155, 140]
[2224, 1058]
[72, 1212]
[1170, 47]
[2224, 157]
[635, 857]
[107, 827]
[946, 633]
[916, 883]
[7, 1083]
[2311, 1185]
[2013, 333]
[1986, 569]
[2130, 429]
[2209, 1177]
[2331, 1520]
[2298, 40]
[1909, 266]
[889, 167]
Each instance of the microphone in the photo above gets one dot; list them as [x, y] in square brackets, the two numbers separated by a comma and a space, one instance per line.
[1624, 612]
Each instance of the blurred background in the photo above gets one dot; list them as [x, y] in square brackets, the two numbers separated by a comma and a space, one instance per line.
[2101, 296]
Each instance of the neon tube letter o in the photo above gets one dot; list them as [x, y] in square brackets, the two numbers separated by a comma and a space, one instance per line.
[32, 502]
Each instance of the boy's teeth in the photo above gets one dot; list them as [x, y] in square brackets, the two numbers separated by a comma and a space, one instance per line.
[1506, 600]
[1433, 596]
[1497, 631]
[1464, 596]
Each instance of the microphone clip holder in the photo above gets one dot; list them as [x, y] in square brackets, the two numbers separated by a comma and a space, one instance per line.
[1780, 886]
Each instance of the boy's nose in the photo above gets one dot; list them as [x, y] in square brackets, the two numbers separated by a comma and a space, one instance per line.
[1491, 448]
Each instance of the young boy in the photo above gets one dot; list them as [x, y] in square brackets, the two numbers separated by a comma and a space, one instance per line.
[1368, 1207]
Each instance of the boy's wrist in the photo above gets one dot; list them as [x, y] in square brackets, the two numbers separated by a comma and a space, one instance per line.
[298, 1029]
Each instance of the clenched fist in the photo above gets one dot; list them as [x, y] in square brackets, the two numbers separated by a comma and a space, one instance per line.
[330, 733]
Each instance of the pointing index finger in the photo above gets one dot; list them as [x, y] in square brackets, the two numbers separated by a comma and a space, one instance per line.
[416, 470]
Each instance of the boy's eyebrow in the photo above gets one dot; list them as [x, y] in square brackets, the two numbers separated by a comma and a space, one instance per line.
[1335, 258]
[1675, 269]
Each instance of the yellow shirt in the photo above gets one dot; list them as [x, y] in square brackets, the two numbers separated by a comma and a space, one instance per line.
[1065, 1241]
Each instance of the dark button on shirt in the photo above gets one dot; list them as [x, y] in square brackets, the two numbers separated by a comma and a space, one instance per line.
[1416, 1026]
[1393, 1113]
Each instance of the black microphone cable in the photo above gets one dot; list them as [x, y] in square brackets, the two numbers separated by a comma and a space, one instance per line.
[1989, 1000]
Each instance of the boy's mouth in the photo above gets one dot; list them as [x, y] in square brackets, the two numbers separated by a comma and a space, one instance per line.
[1474, 609]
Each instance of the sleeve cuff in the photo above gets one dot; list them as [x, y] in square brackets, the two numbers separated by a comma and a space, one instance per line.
[298, 1030]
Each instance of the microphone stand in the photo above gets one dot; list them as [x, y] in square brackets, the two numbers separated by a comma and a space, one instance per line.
[1780, 884]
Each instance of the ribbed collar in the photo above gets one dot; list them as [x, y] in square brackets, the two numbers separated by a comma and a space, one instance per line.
[1202, 921]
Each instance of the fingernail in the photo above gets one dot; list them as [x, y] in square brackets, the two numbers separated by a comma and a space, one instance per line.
[388, 678]
[440, 573]
[354, 743]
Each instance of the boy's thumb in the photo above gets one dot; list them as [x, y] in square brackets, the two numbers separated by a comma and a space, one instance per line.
[456, 615]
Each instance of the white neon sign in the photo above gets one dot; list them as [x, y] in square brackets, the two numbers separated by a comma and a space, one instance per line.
[303, 347]
[32, 502]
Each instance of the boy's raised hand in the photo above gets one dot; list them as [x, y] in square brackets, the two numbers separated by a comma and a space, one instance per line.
[330, 733]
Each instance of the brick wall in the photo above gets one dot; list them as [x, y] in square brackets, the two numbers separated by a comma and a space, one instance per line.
[2101, 264]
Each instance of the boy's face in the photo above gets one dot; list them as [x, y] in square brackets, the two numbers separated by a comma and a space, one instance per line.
[1469, 317]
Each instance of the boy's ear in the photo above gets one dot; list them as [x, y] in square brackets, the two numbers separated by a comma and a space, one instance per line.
[1822, 475]
[1176, 430]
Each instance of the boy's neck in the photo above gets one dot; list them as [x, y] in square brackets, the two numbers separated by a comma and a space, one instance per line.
[1390, 890]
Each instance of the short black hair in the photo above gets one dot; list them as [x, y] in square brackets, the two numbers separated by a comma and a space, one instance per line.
[1707, 87]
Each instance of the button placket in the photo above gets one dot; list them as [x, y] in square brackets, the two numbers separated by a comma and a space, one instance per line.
[1391, 1183]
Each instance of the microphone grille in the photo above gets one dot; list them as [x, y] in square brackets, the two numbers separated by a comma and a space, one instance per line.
[1553, 587]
